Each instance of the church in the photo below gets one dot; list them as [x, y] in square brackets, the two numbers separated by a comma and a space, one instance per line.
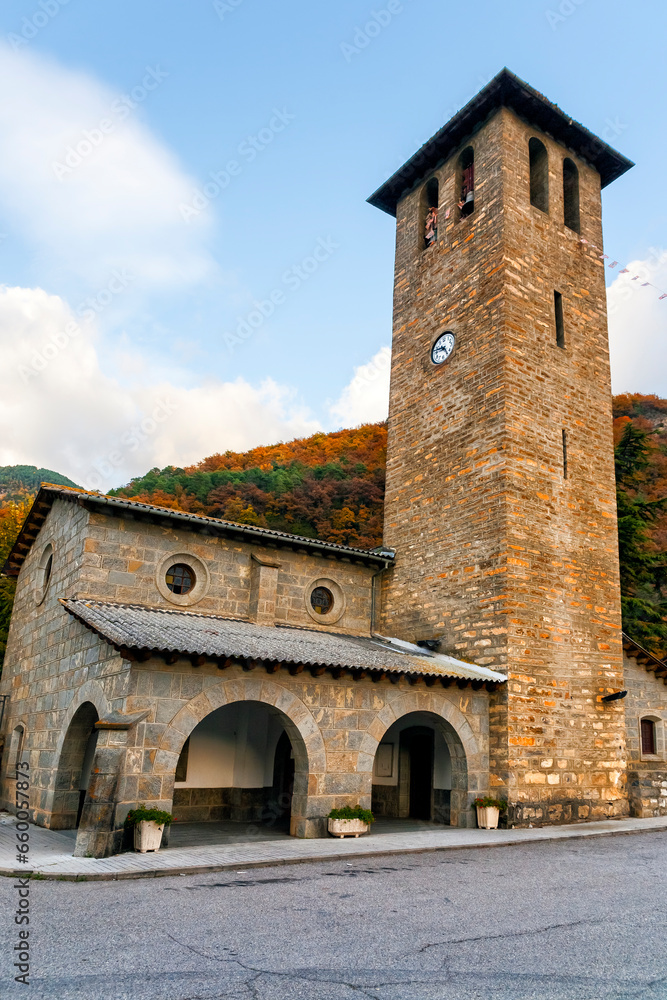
[227, 672]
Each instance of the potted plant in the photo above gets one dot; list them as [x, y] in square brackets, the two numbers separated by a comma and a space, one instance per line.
[148, 826]
[488, 812]
[349, 821]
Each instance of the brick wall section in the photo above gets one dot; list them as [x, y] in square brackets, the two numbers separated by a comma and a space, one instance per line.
[511, 564]
[647, 776]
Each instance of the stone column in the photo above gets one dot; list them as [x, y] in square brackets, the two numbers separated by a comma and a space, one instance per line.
[100, 832]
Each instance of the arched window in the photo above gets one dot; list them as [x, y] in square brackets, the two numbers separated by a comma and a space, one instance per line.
[44, 573]
[467, 182]
[429, 213]
[16, 753]
[571, 195]
[539, 174]
[648, 736]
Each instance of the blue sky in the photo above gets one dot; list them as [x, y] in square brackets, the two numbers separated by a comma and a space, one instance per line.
[159, 96]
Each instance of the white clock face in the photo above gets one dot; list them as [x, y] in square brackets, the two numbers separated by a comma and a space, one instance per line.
[442, 348]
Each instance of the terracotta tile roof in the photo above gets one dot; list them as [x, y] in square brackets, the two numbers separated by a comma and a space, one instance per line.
[161, 630]
[645, 659]
[197, 522]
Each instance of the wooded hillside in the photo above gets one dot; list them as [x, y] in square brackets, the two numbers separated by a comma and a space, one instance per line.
[331, 486]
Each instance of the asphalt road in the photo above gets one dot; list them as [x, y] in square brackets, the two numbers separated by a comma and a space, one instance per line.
[572, 920]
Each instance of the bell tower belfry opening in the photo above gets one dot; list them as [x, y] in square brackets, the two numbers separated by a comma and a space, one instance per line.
[505, 551]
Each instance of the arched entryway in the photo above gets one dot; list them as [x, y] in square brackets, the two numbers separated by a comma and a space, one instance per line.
[420, 771]
[74, 768]
[238, 766]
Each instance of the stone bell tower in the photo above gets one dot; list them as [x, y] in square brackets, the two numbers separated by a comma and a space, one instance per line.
[500, 476]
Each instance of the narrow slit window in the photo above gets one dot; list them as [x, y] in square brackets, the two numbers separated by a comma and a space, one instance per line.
[648, 736]
[539, 175]
[429, 212]
[467, 182]
[558, 313]
[571, 196]
[565, 454]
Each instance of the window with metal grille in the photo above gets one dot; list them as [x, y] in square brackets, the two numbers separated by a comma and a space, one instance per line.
[180, 578]
[648, 736]
[321, 600]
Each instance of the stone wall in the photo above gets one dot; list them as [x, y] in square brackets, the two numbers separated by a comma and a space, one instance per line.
[334, 727]
[53, 665]
[125, 559]
[647, 774]
[511, 563]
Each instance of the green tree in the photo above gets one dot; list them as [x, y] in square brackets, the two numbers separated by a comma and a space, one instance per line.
[642, 565]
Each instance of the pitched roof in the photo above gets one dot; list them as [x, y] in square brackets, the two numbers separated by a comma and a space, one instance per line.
[197, 522]
[163, 631]
[505, 90]
[644, 658]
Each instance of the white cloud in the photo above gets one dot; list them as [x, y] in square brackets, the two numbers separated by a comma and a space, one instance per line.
[59, 410]
[118, 207]
[366, 398]
[638, 327]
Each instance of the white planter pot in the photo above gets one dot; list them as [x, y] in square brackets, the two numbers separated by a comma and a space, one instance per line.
[148, 835]
[347, 827]
[487, 817]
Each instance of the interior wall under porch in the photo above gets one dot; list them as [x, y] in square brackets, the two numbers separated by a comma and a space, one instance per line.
[237, 765]
[412, 772]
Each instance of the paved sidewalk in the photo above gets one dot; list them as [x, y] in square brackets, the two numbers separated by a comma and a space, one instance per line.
[51, 851]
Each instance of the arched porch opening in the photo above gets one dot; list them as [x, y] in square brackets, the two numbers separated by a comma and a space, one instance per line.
[243, 763]
[74, 768]
[420, 771]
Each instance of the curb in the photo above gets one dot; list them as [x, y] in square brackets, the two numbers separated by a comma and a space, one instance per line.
[39, 875]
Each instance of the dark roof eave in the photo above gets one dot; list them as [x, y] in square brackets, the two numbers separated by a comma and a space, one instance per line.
[505, 90]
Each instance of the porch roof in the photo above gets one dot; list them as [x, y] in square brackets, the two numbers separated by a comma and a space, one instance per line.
[145, 631]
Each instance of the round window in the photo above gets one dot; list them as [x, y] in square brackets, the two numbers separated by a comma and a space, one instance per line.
[47, 571]
[180, 578]
[321, 600]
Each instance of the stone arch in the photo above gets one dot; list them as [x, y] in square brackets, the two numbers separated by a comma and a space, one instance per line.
[308, 814]
[64, 798]
[67, 794]
[469, 777]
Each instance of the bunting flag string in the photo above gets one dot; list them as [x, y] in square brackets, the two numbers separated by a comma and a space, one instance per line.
[624, 270]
